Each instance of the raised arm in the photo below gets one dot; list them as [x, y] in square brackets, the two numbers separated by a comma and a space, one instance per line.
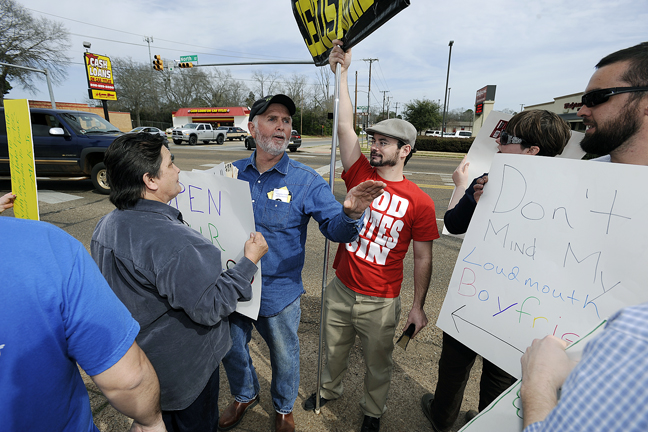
[349, 145]
[422, 275]
[131, 386]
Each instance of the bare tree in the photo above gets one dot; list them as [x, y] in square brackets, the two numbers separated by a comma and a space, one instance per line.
[184, 89]
[27, 41]
[295, 88]
[266, 83]
[136, 85]
[322, 97]
[223, 90]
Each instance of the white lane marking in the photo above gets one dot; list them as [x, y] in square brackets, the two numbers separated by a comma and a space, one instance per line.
[52, 197]
[326, 169]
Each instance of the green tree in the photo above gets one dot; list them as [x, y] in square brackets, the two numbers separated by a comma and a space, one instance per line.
[422, 113]
[27, 41]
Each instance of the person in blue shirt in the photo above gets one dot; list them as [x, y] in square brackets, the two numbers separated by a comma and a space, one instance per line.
[57, 312]
[285, 195]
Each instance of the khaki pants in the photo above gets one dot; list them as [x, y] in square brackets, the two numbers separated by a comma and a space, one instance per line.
[374, 320]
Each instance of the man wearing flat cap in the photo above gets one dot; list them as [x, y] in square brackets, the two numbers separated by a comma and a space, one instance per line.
[285, 195]
[363, 299]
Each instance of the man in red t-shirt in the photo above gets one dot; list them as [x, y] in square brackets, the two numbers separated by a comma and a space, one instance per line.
[363, 299]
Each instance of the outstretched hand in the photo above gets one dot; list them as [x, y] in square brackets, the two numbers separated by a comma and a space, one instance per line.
[7, 201]
[361, 196]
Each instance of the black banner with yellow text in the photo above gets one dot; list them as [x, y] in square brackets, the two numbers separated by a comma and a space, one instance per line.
[322, 21]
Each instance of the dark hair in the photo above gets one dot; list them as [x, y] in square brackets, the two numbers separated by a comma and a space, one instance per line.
[127, 159]
[541, 128]
[637, 73]
[411, 153]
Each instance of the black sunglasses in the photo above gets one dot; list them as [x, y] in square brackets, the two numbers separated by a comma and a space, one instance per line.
[506, 138]
[597, 97]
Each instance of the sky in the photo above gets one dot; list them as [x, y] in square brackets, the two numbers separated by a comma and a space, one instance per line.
[532, 51]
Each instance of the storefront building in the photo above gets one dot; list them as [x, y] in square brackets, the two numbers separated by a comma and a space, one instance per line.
[226, 116]
[566, 107]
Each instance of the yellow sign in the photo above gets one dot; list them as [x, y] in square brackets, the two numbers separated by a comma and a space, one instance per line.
[21, 158]
[209, 110]
[103, 94]
[322, 21]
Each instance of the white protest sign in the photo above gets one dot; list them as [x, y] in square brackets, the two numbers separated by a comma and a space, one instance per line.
[554, 246]
[481, 152]
[505, 413]
[220, 208]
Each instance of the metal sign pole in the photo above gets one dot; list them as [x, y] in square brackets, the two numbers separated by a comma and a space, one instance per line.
[336, 105]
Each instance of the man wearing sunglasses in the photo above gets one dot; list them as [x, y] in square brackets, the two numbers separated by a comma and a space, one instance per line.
[615, 107]
[535, 132]
[364, 297]
[606, 390]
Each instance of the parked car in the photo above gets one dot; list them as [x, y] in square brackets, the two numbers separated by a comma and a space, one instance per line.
[234, 132]
[66, 144]
[169, 132]
[435, 133]
[148, 129]
[293, 145]
[194, 132]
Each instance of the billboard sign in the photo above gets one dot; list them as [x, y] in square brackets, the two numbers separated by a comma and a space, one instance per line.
[100, 77]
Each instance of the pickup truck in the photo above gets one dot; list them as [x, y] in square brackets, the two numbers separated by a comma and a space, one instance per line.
[194, 132]
[234, 132]
[66, 144]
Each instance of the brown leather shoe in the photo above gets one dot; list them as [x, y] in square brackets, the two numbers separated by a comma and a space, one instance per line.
[284, 423]
[234, 413]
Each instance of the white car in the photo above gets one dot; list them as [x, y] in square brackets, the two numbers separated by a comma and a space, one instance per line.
[148, 129]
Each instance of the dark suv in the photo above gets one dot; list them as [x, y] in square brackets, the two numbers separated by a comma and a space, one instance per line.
[66, 144]
[293, 145]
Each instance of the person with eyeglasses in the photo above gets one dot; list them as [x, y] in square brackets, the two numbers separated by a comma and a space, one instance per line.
[535, 132]
[364, 297]
[606, 389]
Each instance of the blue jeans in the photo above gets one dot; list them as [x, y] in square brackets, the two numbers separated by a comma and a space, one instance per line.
[280, 334]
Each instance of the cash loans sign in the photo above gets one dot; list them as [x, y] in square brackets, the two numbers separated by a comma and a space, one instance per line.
[100, 77]
[322, 21]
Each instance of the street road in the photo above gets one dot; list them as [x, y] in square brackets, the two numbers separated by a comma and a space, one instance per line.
[74, 206]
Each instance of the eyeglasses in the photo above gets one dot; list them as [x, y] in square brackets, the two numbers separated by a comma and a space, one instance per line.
[597, 97]
[506, 139]
[382, 143]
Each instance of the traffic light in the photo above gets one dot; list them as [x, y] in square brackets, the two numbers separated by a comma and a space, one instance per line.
[185, 65]
[158, 64]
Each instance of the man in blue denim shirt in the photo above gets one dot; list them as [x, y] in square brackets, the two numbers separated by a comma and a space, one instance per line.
[285, 195]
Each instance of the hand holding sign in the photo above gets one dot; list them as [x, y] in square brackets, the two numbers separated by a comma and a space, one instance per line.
[255, 247]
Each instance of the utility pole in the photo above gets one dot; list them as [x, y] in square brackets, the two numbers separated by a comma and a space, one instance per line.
[384, 92]
[355, 105]
[445, 98]
[370, 60]
[389, 98]
[148, 40]
[396, 112]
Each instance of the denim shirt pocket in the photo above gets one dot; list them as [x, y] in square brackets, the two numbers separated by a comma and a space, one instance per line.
[276, 215]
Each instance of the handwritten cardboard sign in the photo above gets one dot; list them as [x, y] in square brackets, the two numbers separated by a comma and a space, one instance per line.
[554, 247]
[220, 208]
[21, 159]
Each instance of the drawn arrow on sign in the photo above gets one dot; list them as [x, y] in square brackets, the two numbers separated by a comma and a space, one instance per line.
[454, 319]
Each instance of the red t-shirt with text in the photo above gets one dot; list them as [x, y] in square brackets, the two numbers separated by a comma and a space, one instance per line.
[373, 264]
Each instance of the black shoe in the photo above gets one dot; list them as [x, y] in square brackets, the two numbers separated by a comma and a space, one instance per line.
[309, 404]
[370, 424]
[471, 414]
[426, 406]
